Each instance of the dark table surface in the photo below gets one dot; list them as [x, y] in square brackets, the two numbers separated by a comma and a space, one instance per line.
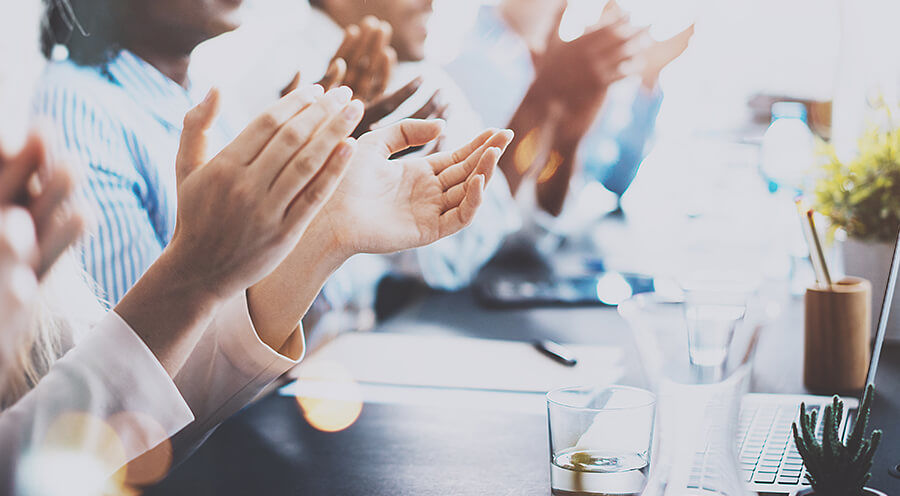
[392, 449]
[269, 448]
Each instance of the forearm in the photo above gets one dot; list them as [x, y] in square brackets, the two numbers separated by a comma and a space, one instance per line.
[553, 182]
[569, 131]
[169, 309]
[532, 122]
[278, 302]
[650, 80]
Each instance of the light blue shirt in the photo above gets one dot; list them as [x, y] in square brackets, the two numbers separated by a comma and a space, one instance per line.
[120, 126]
[494, 69]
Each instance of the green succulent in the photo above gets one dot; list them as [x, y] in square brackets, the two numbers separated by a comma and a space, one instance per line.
[835, 468]
[863, 195]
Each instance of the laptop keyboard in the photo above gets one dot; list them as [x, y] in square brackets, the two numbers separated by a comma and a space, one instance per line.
[767, 453]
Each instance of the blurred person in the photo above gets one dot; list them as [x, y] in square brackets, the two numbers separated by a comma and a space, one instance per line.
[185, 347]
[117, 103]
[176, 350]
[507, 38]
[454, 262]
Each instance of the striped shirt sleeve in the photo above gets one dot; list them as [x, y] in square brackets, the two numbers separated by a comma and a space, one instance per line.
[124, 239]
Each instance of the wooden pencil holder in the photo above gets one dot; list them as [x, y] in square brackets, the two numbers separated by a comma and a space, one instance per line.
[836, 347]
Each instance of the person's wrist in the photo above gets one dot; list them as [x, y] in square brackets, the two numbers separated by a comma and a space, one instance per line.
[179, 273]
[649, 80]
[335, 245]
[540, 95]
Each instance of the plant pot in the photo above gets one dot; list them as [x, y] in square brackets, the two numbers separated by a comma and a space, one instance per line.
[872, 261]
[866, 490]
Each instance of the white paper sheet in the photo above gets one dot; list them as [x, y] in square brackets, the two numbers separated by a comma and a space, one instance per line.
[456, 362]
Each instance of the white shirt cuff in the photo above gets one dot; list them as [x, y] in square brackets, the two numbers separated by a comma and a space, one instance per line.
[132, 372]
[244, 349]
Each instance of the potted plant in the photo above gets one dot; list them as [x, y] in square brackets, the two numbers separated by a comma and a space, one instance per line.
[836, 468]
[861, 196]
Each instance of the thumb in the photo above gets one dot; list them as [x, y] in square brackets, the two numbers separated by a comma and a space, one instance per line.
[405, 134]
[553, 35]
[612, 9]
[192, 149]
[295, 82]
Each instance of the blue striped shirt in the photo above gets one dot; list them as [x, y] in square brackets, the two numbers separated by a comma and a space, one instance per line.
[120, 125]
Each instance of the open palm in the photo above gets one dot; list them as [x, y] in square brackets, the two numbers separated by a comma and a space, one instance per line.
[385, 205]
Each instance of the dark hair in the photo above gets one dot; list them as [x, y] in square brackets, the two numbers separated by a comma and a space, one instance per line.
[89, 29]
[319, 4]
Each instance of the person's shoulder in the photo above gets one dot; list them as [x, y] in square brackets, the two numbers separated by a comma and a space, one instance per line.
[85, 113]
[66, 87]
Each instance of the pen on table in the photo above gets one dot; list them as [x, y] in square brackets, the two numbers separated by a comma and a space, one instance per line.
[556, 351]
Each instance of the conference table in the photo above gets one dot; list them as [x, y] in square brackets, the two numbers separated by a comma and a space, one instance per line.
[447, 448]
[269, 448]
[399, 449]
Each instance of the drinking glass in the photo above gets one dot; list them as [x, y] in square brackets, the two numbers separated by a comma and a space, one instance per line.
[600, 439]
[713, 309]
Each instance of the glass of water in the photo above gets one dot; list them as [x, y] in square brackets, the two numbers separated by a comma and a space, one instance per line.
[600, 439]
[713, 309]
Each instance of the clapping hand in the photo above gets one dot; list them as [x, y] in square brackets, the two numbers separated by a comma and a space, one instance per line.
[661, 53]
[579, 72]
[269, 183]
[38, 222]
[388, 205]
[364, 62]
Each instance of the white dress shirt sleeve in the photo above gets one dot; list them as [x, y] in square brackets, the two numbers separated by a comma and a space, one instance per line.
[229, 367]
[108, 390]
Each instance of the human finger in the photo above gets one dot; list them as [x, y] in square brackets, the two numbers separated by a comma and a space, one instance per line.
[553, 35]
[605, 32]
[453, 196]
[295, 82]
[383, 70]
[463, 168]
[350, 44]
[404, 134]
[192, 147]
[251, 141]
[429, 111]
[310, 159]
[334, 76]
[309, 201]
[57, 189]
[387, 105]
[373, 66]
[18, 240]
[430, 107]
[358, 67]
[612, 8]
[456, 218]
[16, 171]
[64, 232]
[297, 132]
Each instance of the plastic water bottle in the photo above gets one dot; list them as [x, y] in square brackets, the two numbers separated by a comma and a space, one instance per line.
[786, 163]
[788, 148]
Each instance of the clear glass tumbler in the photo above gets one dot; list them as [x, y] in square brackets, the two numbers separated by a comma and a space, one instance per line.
[600, 439]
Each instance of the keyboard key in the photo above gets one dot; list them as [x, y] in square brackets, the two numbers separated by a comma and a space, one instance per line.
[764, 478]
[788, 480]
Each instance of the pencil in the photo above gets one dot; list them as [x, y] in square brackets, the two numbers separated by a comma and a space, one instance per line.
[810, 244]
[821, 255]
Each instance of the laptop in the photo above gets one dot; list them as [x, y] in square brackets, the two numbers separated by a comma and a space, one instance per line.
[767, 456]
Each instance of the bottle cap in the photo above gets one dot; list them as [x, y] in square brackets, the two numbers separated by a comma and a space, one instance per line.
[788, 110]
